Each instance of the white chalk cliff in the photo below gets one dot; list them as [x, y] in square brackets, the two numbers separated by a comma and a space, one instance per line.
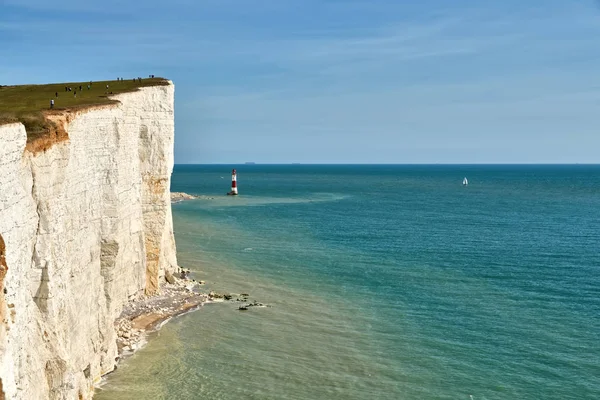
[85, 225]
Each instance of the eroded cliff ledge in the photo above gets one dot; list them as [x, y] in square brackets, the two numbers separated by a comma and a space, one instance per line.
[85, 225]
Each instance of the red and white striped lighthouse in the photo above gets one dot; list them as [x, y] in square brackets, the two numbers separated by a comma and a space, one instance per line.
[234, 191]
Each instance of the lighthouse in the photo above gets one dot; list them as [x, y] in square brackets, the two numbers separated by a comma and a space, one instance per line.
[234, 191]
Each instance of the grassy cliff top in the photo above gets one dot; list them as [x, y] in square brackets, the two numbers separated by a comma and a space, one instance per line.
[29, 103]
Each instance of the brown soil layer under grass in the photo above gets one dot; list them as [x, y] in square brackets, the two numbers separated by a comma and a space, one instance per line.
[30, 104]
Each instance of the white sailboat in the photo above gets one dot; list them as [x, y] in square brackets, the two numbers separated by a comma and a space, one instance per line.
[465, 181]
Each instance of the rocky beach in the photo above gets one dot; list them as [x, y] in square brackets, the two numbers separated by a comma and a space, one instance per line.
[179, 295]
[147, 314]
[177, 197]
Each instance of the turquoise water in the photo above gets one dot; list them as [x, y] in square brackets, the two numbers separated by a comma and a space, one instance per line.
[386, 282]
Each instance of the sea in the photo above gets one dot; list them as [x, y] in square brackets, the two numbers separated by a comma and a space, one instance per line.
[383, 282]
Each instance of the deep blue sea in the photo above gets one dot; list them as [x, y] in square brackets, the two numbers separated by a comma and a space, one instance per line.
[386, 282]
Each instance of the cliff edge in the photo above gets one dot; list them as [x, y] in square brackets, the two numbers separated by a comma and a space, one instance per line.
[85, 226]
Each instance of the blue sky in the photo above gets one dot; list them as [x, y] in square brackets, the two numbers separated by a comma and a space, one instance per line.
[337, 81]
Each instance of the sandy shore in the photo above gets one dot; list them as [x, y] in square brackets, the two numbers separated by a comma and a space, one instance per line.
[178, 296]
[147, 314]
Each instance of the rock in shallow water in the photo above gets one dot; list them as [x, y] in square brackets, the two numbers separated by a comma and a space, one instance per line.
[169, 278]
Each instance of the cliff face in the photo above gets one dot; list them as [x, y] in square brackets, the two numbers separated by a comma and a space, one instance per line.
[84, 226]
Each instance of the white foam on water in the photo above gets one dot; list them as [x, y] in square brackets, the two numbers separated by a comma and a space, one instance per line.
[249, 200]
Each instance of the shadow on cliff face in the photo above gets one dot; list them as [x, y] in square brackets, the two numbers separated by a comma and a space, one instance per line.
[3, 271]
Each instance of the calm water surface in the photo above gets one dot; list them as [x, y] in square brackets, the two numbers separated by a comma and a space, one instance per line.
[386, 282]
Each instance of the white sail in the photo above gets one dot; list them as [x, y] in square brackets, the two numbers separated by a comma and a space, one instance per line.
[465, 181]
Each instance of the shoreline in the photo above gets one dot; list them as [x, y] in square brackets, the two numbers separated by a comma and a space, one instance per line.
[144, 315]
[178, 197]
[179, 295]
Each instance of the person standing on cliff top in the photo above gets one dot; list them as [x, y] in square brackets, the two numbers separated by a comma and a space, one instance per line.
[52, 103]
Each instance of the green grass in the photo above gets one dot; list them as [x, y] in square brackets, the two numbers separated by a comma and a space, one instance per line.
[27, 103]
